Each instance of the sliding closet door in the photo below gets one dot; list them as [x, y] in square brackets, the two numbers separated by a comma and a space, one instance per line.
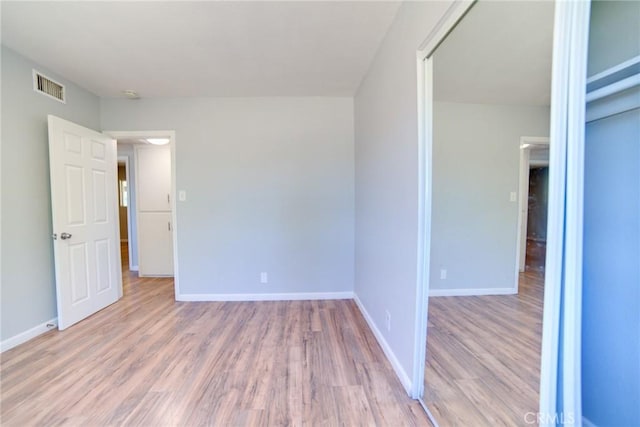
[611, 267]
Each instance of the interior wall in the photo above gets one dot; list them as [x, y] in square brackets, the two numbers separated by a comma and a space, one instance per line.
[126, 150]
[609, 44]
[386, 159]
[269, 188]
[28, 281]
[476, 160]
[611, 287]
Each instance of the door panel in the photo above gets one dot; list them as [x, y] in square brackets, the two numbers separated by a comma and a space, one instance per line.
[78, 265]
[75, 190]
[83, 198]
[153, 165]
[156, 244]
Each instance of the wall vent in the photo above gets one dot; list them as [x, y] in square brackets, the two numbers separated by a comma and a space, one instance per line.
[46, 86]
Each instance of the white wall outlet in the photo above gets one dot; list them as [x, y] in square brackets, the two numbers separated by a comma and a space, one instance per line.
[264, 277]
[388, 319]
[443, 274]
[513, 196]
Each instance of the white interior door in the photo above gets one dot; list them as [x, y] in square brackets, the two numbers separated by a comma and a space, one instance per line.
[83, 167]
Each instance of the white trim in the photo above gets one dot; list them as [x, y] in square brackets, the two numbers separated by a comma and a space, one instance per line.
[172, 147]
[564, 235]
[425, 108]
[555, 221]
[618, 103]
[614, 91]
[134, 268]
[526, 144]
[447, 23]
[573, 230]
[296, 296]
[471, 292]
[25, 336]
[391, 357]
[424, 66]
[609, 72]
[587, 423]
[429, 414]
[614, 88]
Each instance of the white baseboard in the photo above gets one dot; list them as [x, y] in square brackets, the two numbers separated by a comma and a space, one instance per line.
[400, 372]
[265, 297]
[471, 292]
[25, 336]
[587, 423]
[133, 268]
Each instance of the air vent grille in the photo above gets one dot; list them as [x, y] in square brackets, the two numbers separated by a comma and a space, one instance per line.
[48, 87]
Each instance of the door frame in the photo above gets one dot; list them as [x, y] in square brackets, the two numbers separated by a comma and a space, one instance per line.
[125, 160]
[171, 134]
[424, 66]
[526, 144]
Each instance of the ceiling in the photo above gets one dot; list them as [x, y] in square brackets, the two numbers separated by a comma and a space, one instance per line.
[202, 48]
[499, 53]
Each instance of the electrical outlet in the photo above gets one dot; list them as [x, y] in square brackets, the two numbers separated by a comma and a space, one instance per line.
[513, 196]
[388, 319]
[443, 274]
[264, 277]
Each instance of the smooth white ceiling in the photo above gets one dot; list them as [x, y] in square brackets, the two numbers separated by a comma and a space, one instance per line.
[499, 53]
[217, 48]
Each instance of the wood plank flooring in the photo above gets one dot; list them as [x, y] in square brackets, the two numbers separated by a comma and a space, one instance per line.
[483, 356]
[151, 361]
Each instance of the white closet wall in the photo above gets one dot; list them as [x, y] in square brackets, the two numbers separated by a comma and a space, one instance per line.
[153, 188]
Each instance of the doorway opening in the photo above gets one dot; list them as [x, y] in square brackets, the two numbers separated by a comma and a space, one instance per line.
[150, 246]
[533, 204]
[124, 213]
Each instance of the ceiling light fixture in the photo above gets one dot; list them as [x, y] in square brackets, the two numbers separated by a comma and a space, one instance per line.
[158, 141]
[131, 94]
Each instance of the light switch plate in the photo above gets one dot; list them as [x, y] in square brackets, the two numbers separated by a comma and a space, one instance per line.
[182, 195]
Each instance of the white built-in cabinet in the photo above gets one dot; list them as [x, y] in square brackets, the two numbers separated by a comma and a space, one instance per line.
[153, 190]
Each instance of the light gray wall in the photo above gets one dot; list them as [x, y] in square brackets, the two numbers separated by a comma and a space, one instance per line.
[476, 160]
[611, 263]
[28, 284]
[609, 44]
[611, 271]
[126, 150]
[386, 145]
[269, 185]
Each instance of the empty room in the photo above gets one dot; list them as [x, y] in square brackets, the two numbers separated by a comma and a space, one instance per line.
[266, 213]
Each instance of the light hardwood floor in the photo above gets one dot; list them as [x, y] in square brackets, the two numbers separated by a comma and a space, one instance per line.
[151, 361]
[483, 356]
